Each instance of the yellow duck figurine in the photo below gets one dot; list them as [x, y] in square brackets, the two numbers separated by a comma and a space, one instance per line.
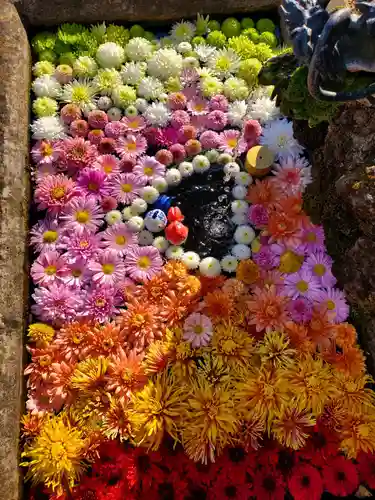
[259, 161]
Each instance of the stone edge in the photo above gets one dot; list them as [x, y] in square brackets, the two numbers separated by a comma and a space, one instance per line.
[14, 208]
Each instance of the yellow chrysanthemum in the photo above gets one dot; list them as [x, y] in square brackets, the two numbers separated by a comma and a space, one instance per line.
[264, 393]
[157, 356]
[290, 427]
[89, 375]
[156, 410]
[214, 370]
[41, 334]
[116, 420]
[353, 393]
[32, 424]
[275, 350]
[181, 355]
[56, 455]
[232, 345]
[210, 420]
[313, 383]
[357, 433]
[251, 430]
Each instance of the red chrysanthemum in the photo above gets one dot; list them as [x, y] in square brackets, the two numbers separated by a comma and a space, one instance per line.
[305, 483]
[322, 446]
[268, 485]
[226, 487]
[340, 477]
[366, 469]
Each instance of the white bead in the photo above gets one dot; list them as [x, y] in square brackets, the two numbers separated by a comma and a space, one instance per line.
[239, 207]
[244, 234]
[160, 243]
[243, 179]
[242, 252]
[145, 238]
[113, 217]
[184, 47]
[186, 168]
[191, 260]
[160, 184]
[173, 177]
[149, 194]
[210, 267]
[138, 206]
[239, 219]
[174, 252]
[136, 224]
[229, 263]
[239, 192]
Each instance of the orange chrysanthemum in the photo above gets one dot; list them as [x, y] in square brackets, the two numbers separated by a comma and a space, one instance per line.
[320, 330]
[268, 309]
[292, 205]
[125, 374]
[292, 427]
[283, 229]
[234, 288]
[248, 271]
[353, 392]
[32, 424]
[357, 433]
[298, 337]
[344, 334]
[105, 340]
[211, 284]
[175, 270]
[156, 288]
[73, 339]
[157, 357]
[351, 360]
[190, 286]
[218, 305]
[174, 308]
[59, 390]
[263, 192]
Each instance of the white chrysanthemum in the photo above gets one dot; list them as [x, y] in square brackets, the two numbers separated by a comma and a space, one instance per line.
[212, 155]
[244, 234]
[239, 219]
[174, 252]
[278, 137]
[128, 213]
[242, 252]
[123, 96]
[236, 113]
[182, 31]
[157, 114]
[136, 224]
[150, 88]
[131, 111]
[224, 158]
[263, 110]
[141, 104]
[184, 47]
[113, 217]
[85, 67]
[133, 72]
[186, 168]
[48, 127]
[165, 63]
[104, 102]
[173, 177]
[236, 89]
[224, 63]
[138, 49]
[239, 192]
[301, 163]
[110, 55]
[262, 91]
[139, 206]
[243, 178]
[210, 267]
[191, 260]
[207, 73]
[114, 114]
[149, 194]
[145, 238]
[229, 263]
[106, 80]
[160, 184]
[201, 164]
[231, 169]
[239, 206]
[46, 86]
[160, 243]
[190, 62]
[204, 51]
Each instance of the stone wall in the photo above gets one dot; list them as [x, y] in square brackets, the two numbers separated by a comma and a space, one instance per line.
[14, 203]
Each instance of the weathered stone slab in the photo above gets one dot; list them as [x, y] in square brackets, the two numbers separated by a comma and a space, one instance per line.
[42, 12]
[14, 203]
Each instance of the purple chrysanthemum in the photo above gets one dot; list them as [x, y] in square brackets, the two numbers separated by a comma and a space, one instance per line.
[265, 258]
[319, 264]
[313, 238]
[142, 263]
[100, 303]
[48, 268]
[78, 273]
[93, 183]
[118, 238]
[126, 187]
[300, 310]
[81, 244]
[108, 268]
[334, 300]
[258, 215]
[302, 284]
[148, 168]
[57, 304]
[45, 236]
[82, 213]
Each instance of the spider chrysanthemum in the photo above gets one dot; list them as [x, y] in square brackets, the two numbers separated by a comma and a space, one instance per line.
[292, 427]
[80, 92]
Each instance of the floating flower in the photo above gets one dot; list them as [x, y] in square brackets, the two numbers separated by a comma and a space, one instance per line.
[126, 188]
[198, 106]
[134, 124]
[93, 183]
[46, 235]
[49, 128]
[142, 263]
[224, 62]
[82, 213]
[46, 152]
[319, 264]
[263, 109]
[81, 244]
[108, 164]
[268, 309]
[57, 303]
[81, 93]
[268, 485]
[300, 310]
[164, 64]
[197, 330]
[79, 153]
[157, 114]
[302, 284]
[125, 374]
[292, 427]
[313, 238]
[100, 303]
[278, 137]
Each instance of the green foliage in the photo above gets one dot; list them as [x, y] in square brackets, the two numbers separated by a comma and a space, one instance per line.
[71, 33]
[201, 24]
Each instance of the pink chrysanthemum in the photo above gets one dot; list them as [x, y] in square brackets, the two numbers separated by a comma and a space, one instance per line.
[148, 168]
[252, 130]
[187, 132]
[189, 76]
[193, 147]
[46, 152]
[230, 141]
[78, 273]
[289, 179]
[134, 123]
[70, 112]
[300, 310]
[82, 213]
[108, 164]
[199, 123]
[219, 103]
[45, 236]
[53, 192]
[108, 203]
[57, 304]
[166, 136]
[118, 238]
[334, 300]
[79, 153]
[43, 170]
[313, 238]
[264, 258]
[95, 136]
[179, 118]
[108, 268]
[176, 100]
[127, 164]
[216, 120]
[258, 215]
[319, 264]
[178, 152]
[126, 187]
[48, 268]
[164, 156]
[79, 128]
[209, 139]
[97, 119]
[93, 183]
[131, 146]
[59, 391]
[142, 263]
[198, 106]
[82, 244]
[107, 146]
[198, 330]
[191, 91]
[114, 129]
[100, 303]
[302, 284]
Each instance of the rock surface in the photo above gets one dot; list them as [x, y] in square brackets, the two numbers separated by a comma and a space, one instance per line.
[342, 198]
[14, 201]
[40, 12]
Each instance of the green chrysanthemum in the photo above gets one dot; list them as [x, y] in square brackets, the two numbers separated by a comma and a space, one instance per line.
[48, 55]
[252, 34]
[71, 33]
[99, 31]
[249, 70]
[268, 38]
[43, 68]
[45, 106]
[117, 34]
[265, 25]
[123, 96]
[216, 39]
[210, 86]
[244, 47]
[263, 52]
[85, 67]
[201, 24]
[43, 41]
[106, 80]
[236, 89]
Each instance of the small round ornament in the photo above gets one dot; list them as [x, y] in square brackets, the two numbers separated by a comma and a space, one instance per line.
[176, 233]
[155, 220]
[259, 161]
